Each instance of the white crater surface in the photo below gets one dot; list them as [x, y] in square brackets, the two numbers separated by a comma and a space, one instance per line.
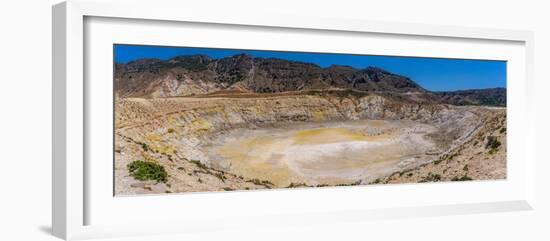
[323, 153]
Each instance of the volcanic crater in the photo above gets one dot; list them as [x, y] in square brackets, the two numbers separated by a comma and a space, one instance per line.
[242, 123]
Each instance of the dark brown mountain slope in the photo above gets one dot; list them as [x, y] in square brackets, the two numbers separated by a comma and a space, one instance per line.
[492, 96]
[145, 77]
[199, 74]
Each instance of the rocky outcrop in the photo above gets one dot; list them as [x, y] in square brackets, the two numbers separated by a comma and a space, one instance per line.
[482, 156]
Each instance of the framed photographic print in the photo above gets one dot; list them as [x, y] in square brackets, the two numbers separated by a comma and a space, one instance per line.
[169, 123]
[191, 119]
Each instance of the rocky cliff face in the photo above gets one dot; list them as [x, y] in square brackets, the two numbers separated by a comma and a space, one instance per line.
[232, 112]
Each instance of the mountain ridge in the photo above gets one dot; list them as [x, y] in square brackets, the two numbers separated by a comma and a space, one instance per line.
[188, 75]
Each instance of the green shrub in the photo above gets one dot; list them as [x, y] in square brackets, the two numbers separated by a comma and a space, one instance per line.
[295, 185]
[265, 183]
[463, 178]
[143, 145]
[260, 182]
[170, 130]
[219, 176]
[377, 181]
[145, 170]
[492, 143]
[431, 178]
[199, 164]
[441, 158]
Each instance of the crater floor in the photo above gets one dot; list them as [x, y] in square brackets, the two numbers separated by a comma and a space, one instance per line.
[327, 153]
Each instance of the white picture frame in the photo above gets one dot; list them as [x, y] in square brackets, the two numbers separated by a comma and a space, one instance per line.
[72, 191]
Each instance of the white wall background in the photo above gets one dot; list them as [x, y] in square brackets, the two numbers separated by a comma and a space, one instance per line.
[25, 122]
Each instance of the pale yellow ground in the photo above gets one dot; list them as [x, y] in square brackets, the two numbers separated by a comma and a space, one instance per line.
[321, 155]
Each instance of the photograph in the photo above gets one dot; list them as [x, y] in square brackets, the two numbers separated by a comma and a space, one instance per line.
[195, 119]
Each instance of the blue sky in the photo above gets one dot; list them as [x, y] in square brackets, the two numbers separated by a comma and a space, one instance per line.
[434, 74]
